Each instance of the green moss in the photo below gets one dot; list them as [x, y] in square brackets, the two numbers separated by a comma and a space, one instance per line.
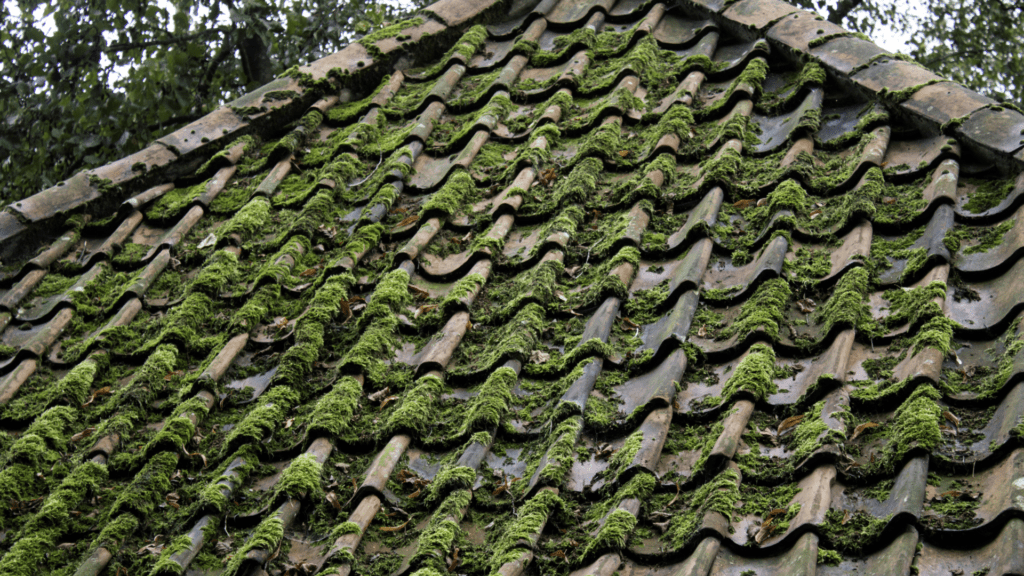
[561, 450]
[492, 401]
[456, 194]
[334, 412]
[917, 421]
[754, 375]
[901, 96]
[848, 304]
[936, 333]
[148, 487]
[266, 536]
[526, 526]
[164, 565]
[301, 479]
[764, 309]
[913, 305]
[418, 407]
[613, 534]
[441, 533]
[988, 194]
[263, 419]
[454, 299]
[822, 40]
[851, 533]
[812, 433]
[718, 495]
[788, 195]
[255, 310]
[449, 479]
[174, 201]
[378, 326]
[115, 532]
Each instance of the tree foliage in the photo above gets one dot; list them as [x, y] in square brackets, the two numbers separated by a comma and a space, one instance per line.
[85, 82]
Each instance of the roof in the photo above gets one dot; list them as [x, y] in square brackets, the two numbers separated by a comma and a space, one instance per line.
[604, 287]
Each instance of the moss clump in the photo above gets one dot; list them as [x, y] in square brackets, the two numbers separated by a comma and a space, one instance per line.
[492, 401]
[418, 407]
[788, 195]
[765, 309]
[266, 536]
[263, 419]
[851, 533]
[379, 326]
[624, 456]
[148, 487]
[812, 433]
[754, 375]
[39, 535]
[466, 47]
[561, 451]
[333, 413]
[916, 422]
[220, 272]
[442, 532]
[451, 478]
[913, 305]
[988, 194]
[297, 362]
[526, 526]
[936, 333]
[718, 495]
[248, 221]
[301, 479]
[614, 533]
[457, 193]
[848, 305]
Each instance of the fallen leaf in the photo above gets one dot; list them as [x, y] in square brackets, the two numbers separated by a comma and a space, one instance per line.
[806, 305]
[379, 394]
[423, 309]
[387, 401]
[83, 434]
[952, 418]
[419, 292]
[469, 325]
[101, 392]
[888, 200]
[790, 422]
[629, 323]
[624, 153]
[539, 357]
[308, 272]
[288, 423]
[702, 332]
[332, 499]
[860, 429]
[396, 528]
[762, 202]
[171, 375]
[815, 214]
[407, 221]
[846, 517]
[747, 203]
[208, 241]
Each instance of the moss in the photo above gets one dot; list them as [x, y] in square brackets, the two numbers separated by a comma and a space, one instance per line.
[115, 532]
[718, 495]
[624, 456]
[988, 194]
[457, 193]
[913, 305]
[441, 533]
[248, 221]
[901, 96]
[822, 40]
[346, 528]
[174, 201]
[788, 195]
[418, 407]
[40, 533]
[334, 412]
[852, 533]
[561, 450]
[613, 534]
[937, 333]
[255, 310]
[266, 536]
[492, 401]
[765, 309]
[812, 433]
[526, 526]
[454, 299]
[301, 479]
[164, 565]
[848, 305]
[378, 326]
[148, 487]
[297, 362]
[449, 479]
[754, 375]
[262, 419]
[916, 421]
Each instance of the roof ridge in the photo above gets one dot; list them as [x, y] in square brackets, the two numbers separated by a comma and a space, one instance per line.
[362, 63]
[933, 104]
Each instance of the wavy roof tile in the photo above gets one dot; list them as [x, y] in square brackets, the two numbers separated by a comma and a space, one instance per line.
[589, 288]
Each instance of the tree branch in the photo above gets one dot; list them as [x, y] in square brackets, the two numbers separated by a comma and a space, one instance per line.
[839, 13]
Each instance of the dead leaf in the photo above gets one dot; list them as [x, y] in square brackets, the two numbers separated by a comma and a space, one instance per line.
[154, 549]
[172, 500]
[762, 202]
[629, 323]
[846, 517]
[815, 214]
[423, 309]
[806, 305]
[407, 221]
[83, 434]
[418, 292]
[208, 241]
[539, 357]
[469, 325]
[624, 153]
[790, 422]
[702, 332]
[102, 391]
[387, 401]
[396, 528]
[860, 429]
[742, 204]
[378, 395]
[561, 296]
[952, 418]
[888, 200]
[171, 375]
[288, 423]
[308, 272]
[332, 499]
